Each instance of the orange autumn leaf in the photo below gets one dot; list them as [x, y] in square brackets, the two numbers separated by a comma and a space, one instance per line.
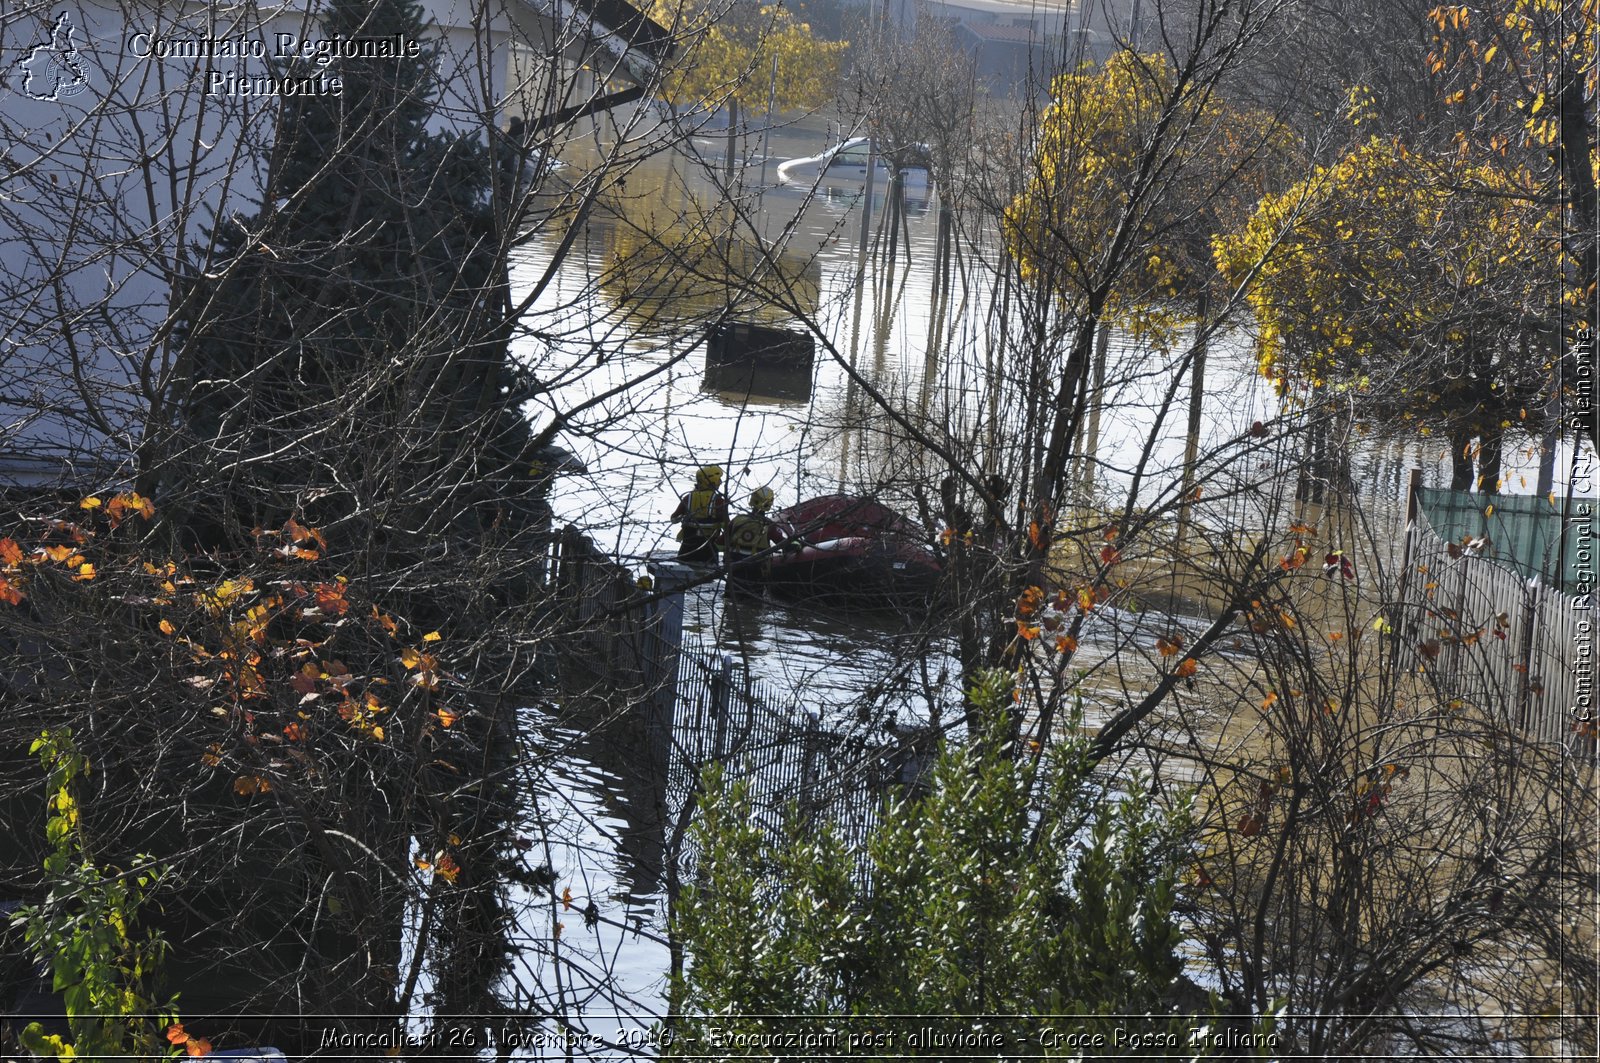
[1187, 668]
[1110, 555]
[9, 593]
[330, 598]
[1086, 598]
[294, 732]
[57, 554]
[446, 717]
[1026, 631]
[1066, 644]
[197, 1046]
[384, 621]
[10, 552]
[566, 897]
[85, 573]
[175, 1034]
[295, 531]
[167, 628]
[245, 785]
[1270, 700]
[1169, 647]
[1035, 536]
[122, 505]
[447, 868]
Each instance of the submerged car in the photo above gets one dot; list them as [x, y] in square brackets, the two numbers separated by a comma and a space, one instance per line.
[846, 164]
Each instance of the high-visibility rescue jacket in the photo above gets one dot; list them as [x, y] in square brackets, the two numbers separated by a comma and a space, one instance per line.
[701, 511]
[749, 534]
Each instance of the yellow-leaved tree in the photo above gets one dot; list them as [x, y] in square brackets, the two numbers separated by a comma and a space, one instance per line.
[1523, 74]
[1402, 278]
[752, 54]
[1103, 217]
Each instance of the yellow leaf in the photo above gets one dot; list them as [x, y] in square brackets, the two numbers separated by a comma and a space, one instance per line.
[432, 636]
[90, 503]
[85, 572]
[167, 628]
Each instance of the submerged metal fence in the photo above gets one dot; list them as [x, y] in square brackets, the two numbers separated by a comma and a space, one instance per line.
[670, 710]
[795, 765]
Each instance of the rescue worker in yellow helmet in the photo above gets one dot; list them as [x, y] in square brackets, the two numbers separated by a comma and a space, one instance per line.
[703, 514]
[753, 532]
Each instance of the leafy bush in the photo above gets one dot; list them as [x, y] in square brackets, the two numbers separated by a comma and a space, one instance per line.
[1015, 886]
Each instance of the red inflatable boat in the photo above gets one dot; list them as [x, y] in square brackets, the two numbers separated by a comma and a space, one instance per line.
[852, 552]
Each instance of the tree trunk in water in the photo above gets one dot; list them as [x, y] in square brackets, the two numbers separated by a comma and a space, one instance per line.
[1460, 461]
[1489, 463]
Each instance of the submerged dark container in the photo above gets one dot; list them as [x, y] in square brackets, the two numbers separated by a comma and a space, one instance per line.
[759, 361]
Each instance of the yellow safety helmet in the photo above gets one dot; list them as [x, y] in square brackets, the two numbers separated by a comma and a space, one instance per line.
[761, 499]
[708, 477]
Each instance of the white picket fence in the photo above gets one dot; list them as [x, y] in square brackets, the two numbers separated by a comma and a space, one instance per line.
[1499, 640]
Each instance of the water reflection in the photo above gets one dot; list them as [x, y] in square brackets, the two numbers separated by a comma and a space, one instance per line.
[854, 669]
[661, 280]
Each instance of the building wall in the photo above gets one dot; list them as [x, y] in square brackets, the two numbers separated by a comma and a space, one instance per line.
[117, 158]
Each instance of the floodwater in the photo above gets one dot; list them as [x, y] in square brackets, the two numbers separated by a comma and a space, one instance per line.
[616, 329]
[618, 326]
[619, 311]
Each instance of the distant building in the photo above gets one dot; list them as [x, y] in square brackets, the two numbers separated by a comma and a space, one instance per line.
[1018, 43]
[132, 126]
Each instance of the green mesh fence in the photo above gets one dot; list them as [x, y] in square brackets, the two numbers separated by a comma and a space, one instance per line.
[1522, 532]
